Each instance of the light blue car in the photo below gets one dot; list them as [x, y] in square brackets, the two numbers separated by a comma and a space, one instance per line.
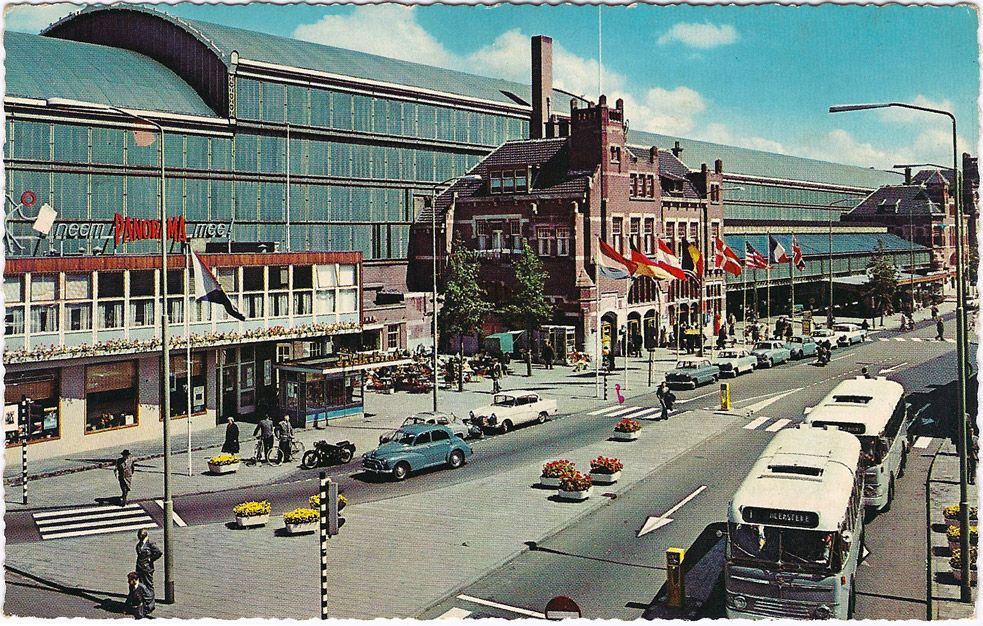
[801, 346]
[771, 353]
[415, 448]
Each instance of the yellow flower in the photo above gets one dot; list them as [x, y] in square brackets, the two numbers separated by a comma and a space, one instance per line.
[315, 501]
[301, 516]
[224, 459]
[252, 509]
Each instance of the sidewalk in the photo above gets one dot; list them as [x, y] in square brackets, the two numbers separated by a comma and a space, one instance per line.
[944, 491]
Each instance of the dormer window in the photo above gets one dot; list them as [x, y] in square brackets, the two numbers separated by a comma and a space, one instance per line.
[496, 182]
[521, 184]
[508, 181]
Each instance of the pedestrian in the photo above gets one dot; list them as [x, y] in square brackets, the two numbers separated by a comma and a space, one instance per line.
[147, 553]
[865, 373]
[660, 394]
[636, 343]
[139, 600]
[866, 326]
[732, 325]
[548, 355]
[935, 311]
[124, 474]
[722, 339]
[285, 433]
[496, 375]
[755, 333]
[264, 430]
[788, 331]
[939, 330]
[231, 445]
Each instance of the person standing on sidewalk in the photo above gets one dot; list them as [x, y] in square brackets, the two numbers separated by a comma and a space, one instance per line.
[940, 330]
[285, 433]
[496, 375]
[231, 445]
[139, 600]
[548, 355]
[265, 430]
[124, 474]
[147, 553]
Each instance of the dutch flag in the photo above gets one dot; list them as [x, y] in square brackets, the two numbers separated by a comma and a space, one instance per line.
[208, 288]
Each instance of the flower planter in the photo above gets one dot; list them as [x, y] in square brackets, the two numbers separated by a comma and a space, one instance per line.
[958, 574]
[304, 527]
[600, 478]
[549, 481]
[252, 521]
[620, 436]
[575, 495]
[953, 522]
[223, 469]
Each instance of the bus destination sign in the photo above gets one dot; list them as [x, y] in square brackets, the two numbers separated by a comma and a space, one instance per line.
[759, 515]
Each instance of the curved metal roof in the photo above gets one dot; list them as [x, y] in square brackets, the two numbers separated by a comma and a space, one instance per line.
[43, 67]
[818, 243]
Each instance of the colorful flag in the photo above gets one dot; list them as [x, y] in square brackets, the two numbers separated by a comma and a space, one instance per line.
[776, 252]
[689, 261]
[646, 266]
[752, 258]
[611, 264]
[669, 261]
[726, 259]
[797, 255]
[208, 288]
[694, 252]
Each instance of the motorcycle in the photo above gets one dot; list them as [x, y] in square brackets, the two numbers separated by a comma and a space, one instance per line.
[822, 356]
[325, 453]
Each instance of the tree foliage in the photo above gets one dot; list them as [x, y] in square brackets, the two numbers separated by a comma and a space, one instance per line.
[882, 283]
[528, 307]
[464, 305]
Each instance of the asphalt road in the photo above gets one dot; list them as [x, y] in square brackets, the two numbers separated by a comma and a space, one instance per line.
[612, 573]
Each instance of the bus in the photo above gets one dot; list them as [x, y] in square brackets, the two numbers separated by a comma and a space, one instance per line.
[876, 411]
[795, 529]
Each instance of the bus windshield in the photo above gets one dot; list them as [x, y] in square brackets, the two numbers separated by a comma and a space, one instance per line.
[783, 548]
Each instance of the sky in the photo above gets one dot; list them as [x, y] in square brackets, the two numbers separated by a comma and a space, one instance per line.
[760, 77]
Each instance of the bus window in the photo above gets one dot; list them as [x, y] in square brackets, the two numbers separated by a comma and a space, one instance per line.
[751, 541]
[806, 546]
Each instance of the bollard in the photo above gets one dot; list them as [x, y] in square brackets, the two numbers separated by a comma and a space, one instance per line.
[651, 360]
[724, 396]
[605, 386]
[23, 469]
[675, 579]
[323, 510]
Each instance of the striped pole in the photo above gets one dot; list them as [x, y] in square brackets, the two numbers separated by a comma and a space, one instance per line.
[323, 510]
[23, 468]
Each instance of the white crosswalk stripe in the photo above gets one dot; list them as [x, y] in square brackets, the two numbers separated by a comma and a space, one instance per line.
[93, 520]
[770, 424]
[922, 442]
[950, 340]
[643, 412]
[899, 339]
[455, 613]
[605, 410]
[758, 422]
[624, 410]
[884, 339]
[777, 426]
[916, 339]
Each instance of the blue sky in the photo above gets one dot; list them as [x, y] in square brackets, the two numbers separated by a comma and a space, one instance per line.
[755, 76]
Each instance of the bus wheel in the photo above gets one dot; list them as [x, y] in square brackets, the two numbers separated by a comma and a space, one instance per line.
[890, 496]
[852, 601]
[904, 462]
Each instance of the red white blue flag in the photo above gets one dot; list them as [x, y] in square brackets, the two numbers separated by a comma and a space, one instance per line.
[610, 263]
[752, 258]
[208, 288]
[797, 255]
[776, 251]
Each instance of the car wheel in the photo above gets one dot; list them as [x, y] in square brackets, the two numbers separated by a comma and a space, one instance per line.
[309, 460]
[456, 459]
[506, 426]
[401, 471]
[543, 417]
[771, 363]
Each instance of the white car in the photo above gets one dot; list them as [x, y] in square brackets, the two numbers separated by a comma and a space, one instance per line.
[849, 334]
[822, 335]
[735, 362]
[512, 408]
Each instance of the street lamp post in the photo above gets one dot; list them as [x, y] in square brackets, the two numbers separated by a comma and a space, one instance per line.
[965, 594]
[433, 230]
[165, 376]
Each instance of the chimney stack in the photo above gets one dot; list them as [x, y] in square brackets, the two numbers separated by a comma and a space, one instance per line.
[718, 166]
[653, 155]
[542, 84]
[677, 150]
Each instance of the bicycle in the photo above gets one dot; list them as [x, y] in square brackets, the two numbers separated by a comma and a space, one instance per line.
[275, 455]
[259, 455]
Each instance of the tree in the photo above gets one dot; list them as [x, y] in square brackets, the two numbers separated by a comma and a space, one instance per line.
[528, 307]
[464, 305]
[882, 282]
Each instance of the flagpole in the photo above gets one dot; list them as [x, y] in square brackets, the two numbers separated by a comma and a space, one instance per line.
[791, 286]
[627, 328]
[187, 339]
[597, 326]
[744, 300]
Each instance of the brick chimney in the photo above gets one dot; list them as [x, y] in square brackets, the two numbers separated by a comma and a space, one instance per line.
[677, 150]
[542, 85]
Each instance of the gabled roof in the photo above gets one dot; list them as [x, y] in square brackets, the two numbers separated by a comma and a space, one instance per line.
[933, 177]
[895, 200]
[43, 67]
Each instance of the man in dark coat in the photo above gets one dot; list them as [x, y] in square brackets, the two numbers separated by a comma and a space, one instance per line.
[285, 433]
[265, 430]
[548, 355]
[231, 445]
[139, 600]
[124, 474]
[147, 553]
[939, 330]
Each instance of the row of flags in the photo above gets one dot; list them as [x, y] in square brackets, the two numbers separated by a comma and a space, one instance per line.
[667, 266]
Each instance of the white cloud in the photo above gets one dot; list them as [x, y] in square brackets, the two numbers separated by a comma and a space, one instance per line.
[507, 57]
[908, 116]
[387, 30]
[33, 18]
[840, 146]
[703, 36]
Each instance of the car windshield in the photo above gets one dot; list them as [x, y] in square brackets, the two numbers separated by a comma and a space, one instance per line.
[804, 548]
[763, 346]
[504, 401]
[404, 438]
[730, 354]
[687, 365]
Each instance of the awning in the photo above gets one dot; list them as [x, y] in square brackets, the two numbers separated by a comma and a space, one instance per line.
[330, 366]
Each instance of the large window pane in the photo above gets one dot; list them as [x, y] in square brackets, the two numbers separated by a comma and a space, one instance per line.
[272, 151]
[221, 154]
[297, 105]
[110, 395]
[247, 200]
[196, 156]
[320, 108]
[196, 208]
[246, 146]
[31, 140]
[273, 101]
[71, 194]
[362, 113]
[107, 145]
[247, 99]
[141, 197]
[341, 110]
[341, 159]
[107, 196]
[71, 143]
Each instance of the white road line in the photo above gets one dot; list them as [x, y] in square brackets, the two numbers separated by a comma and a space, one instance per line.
[891, 369]
[706, 395]
[922, 442]
[653, 522]
[92, 509]
[99, 531]
[644, 413]
[504, 607]
[777, 426]
[916, 339]
[950, 340]
[756, 423]
[455, 613]
[884, 339]
[605, 410]
[840, 358]
[622, 411]
[177, 518]
[899, 339]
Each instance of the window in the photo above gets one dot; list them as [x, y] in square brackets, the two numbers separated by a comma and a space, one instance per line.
[13, 289]
[496, 182]
[179, 384]
[562, 242]
[44, 288]
[671, 235]
[481, 230]
[43, 389]
[110, 396]
[521, 183]
[110, 315]
[633, 233]
[508, 182]
[615, 154]
[648, 239]
[650, 188]
[545, 237]
[515, 228]
[633, 188]
[44, 318]
[14, 321]
[78, 316]
[440, 435]
[616, 235]
[392, 337]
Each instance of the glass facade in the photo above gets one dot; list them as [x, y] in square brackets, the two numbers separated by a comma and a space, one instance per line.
[748, 201]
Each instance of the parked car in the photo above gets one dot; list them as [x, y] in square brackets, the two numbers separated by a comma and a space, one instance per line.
[462, 428]
[692, 373]
[824, 334]
[735, 362]
[417, 447]
[511, 409]
[849, 334]
[801, 346]
[771, 353]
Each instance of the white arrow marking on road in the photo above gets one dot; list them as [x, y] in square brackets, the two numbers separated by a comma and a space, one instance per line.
[754, 408]
[652, 522]
[177, 518]
[707, 395]
[891, 369]
[504, 607]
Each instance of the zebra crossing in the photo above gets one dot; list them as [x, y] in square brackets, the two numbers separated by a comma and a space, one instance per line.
[914, 339]
[92, 520]
[771, 424]
[628, 412]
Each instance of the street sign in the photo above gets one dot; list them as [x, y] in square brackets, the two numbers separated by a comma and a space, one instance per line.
[562, 607]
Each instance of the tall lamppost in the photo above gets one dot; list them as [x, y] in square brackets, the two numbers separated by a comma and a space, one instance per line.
[965, 592]
[165, 373]
[433, 230]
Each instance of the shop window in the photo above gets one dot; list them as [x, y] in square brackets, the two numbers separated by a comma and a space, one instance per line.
[44, 288]
[42, 388]
[247, 378]
[110, 396]
[44, 318]
[179, 384]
